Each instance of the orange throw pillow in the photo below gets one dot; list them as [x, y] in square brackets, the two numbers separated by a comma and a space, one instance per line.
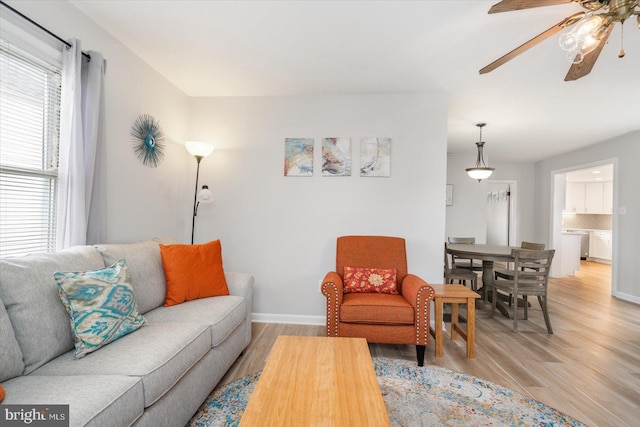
[2, 393]
[193, 271]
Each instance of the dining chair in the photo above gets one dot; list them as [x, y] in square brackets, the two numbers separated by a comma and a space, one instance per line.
[459, 274]
[458, 262]
[530, 277]
[507, 273]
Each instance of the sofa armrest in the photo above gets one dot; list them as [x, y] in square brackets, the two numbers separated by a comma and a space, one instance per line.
[240, 284]
[332, 289]
[419, 294]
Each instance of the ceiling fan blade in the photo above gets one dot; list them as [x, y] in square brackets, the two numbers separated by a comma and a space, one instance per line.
[509, 5]
[534, 41]
[583, 68]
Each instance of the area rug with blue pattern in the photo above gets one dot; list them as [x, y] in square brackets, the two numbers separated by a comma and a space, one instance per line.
[414, 396]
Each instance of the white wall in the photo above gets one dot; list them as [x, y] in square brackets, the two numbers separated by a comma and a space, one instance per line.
[141, 202]
[283, 229]
[626, 149]
[467, 216]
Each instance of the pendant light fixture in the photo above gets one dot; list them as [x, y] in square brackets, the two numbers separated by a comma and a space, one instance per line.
[480, 171]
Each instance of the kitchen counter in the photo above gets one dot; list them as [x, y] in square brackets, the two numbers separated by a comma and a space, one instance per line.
[596, 243]
[570, 253]
[570, 230]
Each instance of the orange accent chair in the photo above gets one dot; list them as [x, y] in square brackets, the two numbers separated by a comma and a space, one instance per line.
[380, 318]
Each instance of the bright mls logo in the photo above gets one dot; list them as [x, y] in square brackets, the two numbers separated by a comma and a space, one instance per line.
[35, 415]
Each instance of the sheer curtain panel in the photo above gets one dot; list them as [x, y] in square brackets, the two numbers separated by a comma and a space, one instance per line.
[80, 136]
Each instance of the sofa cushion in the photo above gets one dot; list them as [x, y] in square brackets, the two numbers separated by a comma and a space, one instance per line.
[222, 314]
[160, 354]
[39, 319]
[95, 400]
[193, 271]
[11, 364]
[376, 308]
[145, 267]
[101, 305]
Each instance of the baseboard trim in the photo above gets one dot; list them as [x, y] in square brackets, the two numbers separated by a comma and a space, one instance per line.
[300, 319]
[627, 297]
[292, 319]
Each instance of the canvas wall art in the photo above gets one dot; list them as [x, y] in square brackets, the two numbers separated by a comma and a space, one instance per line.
[375, 157]
[336, 156]
[298, 157]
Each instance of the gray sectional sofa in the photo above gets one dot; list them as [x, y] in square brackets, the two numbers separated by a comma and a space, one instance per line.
[157, 375]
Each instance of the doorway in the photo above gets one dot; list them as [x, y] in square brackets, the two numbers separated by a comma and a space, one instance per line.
[583, 201]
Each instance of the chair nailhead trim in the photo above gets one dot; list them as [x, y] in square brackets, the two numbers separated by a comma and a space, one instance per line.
[423, 300]
[329, 290]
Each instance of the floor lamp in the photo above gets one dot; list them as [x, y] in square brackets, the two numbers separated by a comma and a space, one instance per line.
[199, 150]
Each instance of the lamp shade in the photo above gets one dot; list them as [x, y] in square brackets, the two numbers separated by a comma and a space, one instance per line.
[205, 195]
[199, 149]
[480, 173]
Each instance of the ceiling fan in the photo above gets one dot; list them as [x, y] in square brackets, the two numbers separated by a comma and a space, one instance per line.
[584, 42]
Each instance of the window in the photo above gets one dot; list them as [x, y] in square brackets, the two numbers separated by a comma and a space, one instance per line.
[29, 135]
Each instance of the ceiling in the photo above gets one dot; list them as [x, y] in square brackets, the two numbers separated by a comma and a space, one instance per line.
[594, 174]
[289, 48]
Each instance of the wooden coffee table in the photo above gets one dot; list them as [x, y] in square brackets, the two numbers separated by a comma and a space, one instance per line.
[311, 381]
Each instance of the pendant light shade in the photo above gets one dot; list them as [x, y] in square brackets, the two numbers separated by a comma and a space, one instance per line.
[480, 171]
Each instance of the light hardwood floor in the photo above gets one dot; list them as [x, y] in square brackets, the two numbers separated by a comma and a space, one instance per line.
[589, 368]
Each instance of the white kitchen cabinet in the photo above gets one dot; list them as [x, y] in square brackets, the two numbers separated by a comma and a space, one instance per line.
[589, 197]
[575, 197]
[593, 197]
[600, 245]
[607, 197]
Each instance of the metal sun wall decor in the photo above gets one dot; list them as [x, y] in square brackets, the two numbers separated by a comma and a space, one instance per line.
[298, 157]
[336, 156]
[375, 157]
[148, 140]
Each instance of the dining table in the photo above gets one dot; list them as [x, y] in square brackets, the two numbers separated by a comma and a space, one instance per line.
[488, 254]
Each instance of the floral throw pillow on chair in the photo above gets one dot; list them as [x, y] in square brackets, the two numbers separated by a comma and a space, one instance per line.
[370, 280]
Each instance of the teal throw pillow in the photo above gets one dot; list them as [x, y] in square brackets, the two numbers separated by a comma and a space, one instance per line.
[101, 306]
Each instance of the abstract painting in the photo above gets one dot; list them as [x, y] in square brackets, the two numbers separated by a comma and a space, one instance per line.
[336, 156]
[298, 157]
[375, 157]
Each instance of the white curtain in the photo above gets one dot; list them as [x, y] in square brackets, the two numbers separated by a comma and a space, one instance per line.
[81, 136]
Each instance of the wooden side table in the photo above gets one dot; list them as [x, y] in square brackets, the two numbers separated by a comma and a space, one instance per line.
[454, 295]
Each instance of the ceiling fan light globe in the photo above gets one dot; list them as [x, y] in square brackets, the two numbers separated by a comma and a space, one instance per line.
[588, 45]
[587, 26]
[568, 41]
[575, 57]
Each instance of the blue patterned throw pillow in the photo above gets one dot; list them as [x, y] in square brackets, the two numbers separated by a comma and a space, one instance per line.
[101, 306]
